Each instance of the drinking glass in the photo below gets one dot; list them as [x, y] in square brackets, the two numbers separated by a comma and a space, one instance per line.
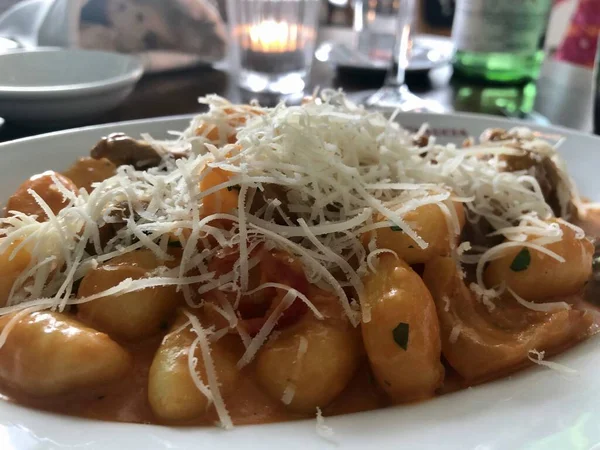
[272, 44]
[375, 28]
[596, 89]
[395, 93]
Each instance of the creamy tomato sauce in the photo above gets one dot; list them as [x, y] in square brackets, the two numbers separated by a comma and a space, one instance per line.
[127, 400]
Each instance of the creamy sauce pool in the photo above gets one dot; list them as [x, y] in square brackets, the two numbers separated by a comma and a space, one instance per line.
[127, 400]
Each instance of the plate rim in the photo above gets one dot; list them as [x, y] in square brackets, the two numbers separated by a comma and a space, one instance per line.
[188, 116]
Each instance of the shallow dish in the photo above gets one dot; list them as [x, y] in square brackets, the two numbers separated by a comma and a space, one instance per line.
[38, 87]
[537, 408]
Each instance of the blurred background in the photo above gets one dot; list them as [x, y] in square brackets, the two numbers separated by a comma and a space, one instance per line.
[434, 16]
[450, 59]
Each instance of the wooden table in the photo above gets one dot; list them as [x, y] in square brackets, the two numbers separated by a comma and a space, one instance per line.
[563, 93]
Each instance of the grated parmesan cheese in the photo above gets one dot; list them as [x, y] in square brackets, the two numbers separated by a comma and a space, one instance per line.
[270, 323]
[446, 301]
[455, 333]
[324, 431]
[211, 373]
[311, 180]
[539, 307]
[538, 358]
[290, 389]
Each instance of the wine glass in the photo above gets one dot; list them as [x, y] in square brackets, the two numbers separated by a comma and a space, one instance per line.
[395, 93]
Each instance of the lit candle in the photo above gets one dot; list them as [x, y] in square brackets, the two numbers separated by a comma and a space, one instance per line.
[274, 46]
[271, 36]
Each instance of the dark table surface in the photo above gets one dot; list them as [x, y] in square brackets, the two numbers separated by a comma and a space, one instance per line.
[563, 93]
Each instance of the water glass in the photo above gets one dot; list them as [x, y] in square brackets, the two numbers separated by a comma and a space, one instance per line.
[272, 43]
[375, 25]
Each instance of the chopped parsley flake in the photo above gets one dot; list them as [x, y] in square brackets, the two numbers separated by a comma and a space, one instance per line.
[521, 261]
[400, 334]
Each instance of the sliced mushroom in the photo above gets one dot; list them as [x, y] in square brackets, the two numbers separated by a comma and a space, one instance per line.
[269, 193]
[124, 150]
[539, 163]
[477, 231]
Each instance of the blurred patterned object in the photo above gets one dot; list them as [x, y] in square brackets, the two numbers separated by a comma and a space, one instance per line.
[580, 42]
[5, 4]
[165, 34]
[137, 26]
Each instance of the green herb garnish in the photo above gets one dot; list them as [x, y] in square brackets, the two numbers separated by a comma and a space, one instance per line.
[521, 261]
[400, 335]
[395, 228]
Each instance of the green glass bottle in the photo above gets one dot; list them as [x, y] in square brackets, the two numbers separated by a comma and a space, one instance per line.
[500, 40]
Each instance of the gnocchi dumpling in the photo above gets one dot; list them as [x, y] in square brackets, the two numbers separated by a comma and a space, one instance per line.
[401, 332]
[308, 364]
[50, 353]
[429, 222]
[172, 393]
[132, 315]
[221, 201]
[10, 269]
[87, 171]
[42, 184]
[536, 276]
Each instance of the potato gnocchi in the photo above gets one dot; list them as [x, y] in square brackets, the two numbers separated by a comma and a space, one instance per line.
[270, 263]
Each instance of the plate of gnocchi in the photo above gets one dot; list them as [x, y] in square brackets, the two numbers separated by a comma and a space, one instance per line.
[304, 276]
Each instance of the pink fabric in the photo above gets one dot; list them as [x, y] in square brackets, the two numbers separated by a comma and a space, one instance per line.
[581, 40]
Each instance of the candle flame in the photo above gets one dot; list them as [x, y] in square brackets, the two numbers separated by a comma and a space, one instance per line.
[274, 37]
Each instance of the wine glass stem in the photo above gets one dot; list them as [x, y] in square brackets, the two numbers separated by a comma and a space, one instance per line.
[397, 73]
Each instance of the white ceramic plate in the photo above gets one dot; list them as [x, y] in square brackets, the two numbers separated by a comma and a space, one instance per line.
[47, 86]
[534, 409]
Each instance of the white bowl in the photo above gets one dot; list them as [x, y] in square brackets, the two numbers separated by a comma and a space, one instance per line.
[43, 86]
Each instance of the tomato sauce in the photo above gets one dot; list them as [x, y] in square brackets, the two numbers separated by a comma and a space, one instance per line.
[127, 400]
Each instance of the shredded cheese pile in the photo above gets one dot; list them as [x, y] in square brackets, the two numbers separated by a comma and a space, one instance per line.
[323, 174]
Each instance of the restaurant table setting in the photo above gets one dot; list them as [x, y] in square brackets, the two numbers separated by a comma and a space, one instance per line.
[66, 62]
[269, 56]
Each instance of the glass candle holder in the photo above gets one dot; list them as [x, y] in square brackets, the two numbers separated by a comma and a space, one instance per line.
[272, 43]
